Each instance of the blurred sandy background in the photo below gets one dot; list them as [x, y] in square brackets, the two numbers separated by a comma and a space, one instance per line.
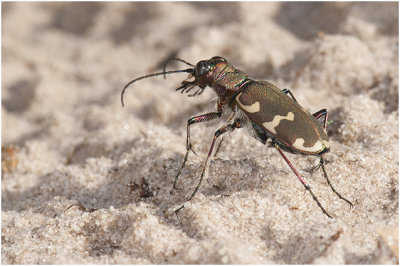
[69, 149]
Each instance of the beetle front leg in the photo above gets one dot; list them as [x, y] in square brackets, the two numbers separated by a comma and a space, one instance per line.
[307, 187]
[193, 120]
[219, 132]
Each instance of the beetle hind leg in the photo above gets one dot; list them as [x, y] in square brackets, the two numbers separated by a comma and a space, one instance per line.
[322, 165]
[306, 186]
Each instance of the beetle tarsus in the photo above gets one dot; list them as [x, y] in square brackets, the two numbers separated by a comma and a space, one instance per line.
[319, 204]
[177, 210]
[218, 147]
[322, 163]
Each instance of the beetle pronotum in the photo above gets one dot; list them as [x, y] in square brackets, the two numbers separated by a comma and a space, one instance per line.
[268, 112]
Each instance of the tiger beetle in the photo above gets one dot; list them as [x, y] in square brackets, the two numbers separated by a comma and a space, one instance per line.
[266, 111]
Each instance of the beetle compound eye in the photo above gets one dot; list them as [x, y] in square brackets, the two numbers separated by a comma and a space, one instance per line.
[203, 67]
[219, 59]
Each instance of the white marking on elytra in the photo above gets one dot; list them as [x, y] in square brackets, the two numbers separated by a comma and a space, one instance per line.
[318, 146]
[275, 122]
[254, 108]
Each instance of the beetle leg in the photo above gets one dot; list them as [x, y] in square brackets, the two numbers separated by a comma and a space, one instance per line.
[219, 132]
[290, 93]
[218, 147]
[231, 116]
[322, 163]
[193, 120]
[324, 113]
[307, 187]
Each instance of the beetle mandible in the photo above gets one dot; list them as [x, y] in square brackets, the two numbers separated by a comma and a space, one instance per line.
[270, 114]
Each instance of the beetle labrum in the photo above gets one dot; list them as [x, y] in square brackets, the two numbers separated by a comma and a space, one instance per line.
[269, 113]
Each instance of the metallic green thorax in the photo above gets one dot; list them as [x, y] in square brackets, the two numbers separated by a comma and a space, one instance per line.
[272, 113]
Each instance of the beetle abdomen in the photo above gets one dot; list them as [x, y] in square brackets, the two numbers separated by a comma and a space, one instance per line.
[284, 120]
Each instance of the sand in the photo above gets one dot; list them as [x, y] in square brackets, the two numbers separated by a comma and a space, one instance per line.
[69, 149]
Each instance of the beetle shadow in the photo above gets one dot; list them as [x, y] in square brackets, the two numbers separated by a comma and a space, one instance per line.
[335, 117]
[227, 176]
[386, 91]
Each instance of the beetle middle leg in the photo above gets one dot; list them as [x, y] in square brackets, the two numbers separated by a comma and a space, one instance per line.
[193, 120]
[307, 187]
[231, 116]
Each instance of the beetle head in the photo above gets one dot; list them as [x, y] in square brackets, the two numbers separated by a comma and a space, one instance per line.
[205, 71]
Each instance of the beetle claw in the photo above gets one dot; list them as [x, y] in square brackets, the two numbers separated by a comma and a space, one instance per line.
[193, 151]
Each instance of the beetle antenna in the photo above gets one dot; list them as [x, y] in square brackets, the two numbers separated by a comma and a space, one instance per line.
[175, 59]
[189, 70]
